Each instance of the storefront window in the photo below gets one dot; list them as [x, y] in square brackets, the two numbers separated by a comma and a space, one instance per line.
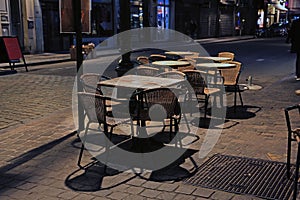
[136, 13]
[102, 18]
[163, 13]
[260, 20]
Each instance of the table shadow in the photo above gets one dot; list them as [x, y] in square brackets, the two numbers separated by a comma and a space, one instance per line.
[94, 176]
[218, 123]
[242, 112]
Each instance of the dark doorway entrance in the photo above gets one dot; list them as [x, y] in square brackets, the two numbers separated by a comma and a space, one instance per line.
[16, 25]
[54, 41]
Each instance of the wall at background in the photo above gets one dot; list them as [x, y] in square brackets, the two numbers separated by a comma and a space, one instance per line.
[39, 30]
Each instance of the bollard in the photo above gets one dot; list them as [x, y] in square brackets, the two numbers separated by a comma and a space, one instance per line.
[249, 80]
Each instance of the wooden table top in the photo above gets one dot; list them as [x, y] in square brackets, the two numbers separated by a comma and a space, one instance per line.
[171, 63]
[214, 58]
[140, 82]
[215, 65]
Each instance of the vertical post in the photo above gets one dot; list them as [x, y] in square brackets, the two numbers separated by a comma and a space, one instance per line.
[218, 19]
[125, 63]
[79, 56]
[146, 22]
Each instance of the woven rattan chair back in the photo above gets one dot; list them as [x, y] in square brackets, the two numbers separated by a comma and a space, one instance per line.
[194, 55]
[231, 78]
[94, 106]
[146, 71]
[164, 97]
[89, 82]
[143, 59]
[189, 67]
[161, 96]
[226, 55]
[231, 75]
[197, 80]
[172, 74]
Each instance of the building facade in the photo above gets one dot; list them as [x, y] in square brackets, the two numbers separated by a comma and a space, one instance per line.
[37, 22]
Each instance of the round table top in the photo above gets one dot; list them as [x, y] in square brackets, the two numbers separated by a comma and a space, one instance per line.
[180, 53]
[214, 58]
[171, 63]
[215, 65]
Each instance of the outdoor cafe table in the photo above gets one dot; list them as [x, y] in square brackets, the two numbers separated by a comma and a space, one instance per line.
[139, 82]
[211, 66]
[214, 58]
[171, 63]
[214, 67]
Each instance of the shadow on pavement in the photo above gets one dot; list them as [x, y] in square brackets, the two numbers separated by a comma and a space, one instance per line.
[242, 112]
[218, 123]
[94, 177]
[91, 179]
[33, 153]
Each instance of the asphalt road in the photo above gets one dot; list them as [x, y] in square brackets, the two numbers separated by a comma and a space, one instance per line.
[267, 60]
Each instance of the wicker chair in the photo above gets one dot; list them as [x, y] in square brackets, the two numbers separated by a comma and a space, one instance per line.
[95, 108]
[143, 59]
[293, 136]
[146, 70]
[231, 79]
[195, 55]
[189, 67]
[182, 89]
[226, 55]
[90, 85]
[90, 81]
[158, 101]
[198, 82]
[172, 74]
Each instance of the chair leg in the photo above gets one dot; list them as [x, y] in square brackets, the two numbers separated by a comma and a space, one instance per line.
[107, 145]
[82, 146]
[131, 128]
[296, 173]
[187, 124]
[206, 105]
[288, 160]
[242, 104]
[235, 91]
[171, 129]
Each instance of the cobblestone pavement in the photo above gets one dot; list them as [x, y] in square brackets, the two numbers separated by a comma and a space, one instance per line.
[40, 149]
[25, 97]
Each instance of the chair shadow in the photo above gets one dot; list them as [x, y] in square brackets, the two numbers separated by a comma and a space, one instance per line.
[242, 112]
[214, 123]
[91, 178]
[174, 171]
[94, 177]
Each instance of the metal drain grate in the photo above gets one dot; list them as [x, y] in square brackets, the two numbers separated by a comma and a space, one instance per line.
[261, 178]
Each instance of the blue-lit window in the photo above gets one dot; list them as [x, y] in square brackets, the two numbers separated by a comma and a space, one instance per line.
[163, 2]
[136, 13]
[163, 13]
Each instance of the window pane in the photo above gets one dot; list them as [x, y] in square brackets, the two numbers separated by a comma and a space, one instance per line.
[160, 2]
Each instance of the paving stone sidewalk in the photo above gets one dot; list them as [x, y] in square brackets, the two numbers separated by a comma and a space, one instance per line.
[38, 157]
[40, 148]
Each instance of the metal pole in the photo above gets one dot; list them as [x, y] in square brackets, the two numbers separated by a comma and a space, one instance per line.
[79, 56]
[125, 63]
[217, 34]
